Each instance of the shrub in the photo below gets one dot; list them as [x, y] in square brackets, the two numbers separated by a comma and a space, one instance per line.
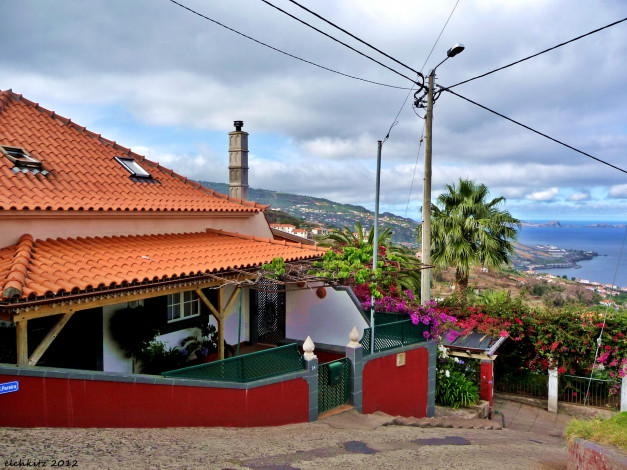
[157, 358]
[454, 389]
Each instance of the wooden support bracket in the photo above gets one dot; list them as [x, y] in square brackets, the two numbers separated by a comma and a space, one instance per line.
[21, 331]
[50, 337]
[208, 303]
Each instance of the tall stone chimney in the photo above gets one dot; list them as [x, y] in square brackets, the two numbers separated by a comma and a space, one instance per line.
[238, 162]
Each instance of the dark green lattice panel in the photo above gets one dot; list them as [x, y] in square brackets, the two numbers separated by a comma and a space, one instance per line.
[393, 335]
[332, 396]
[248, 367]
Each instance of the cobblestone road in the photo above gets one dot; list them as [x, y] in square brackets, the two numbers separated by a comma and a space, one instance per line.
[347, 441]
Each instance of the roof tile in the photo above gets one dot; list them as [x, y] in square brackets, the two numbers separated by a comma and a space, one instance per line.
[83, 172]
[35, 269]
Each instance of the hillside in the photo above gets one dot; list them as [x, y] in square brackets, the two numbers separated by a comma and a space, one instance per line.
[319, 211]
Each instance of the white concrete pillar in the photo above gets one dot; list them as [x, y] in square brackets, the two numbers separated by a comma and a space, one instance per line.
[623, 394]
[553, 384]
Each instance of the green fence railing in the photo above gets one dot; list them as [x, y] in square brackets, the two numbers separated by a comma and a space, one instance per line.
[393, 335]
[248, 367]
[522, 382]
[381, 318]
[587, 391]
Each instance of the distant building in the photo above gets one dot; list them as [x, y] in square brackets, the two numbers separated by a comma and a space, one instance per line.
[299, 232]
[287, 228]
[319, 231]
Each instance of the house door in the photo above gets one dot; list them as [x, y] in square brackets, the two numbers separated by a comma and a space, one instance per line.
[268, 314]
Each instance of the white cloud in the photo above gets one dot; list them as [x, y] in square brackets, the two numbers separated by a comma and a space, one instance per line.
[582, 196]
[619, 191]
[325, 127]
[546, 195]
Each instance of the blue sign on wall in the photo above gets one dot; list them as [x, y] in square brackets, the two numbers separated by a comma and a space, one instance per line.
[9, 387]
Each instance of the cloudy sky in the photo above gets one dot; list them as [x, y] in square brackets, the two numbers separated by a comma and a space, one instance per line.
[169, 84]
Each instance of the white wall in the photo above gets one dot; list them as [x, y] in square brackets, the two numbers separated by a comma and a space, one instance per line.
[114, 358]
[63, 224]
[327, 320]
[231, 323]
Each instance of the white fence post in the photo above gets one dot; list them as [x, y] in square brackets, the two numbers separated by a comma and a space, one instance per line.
[623, 394]
[553, 383]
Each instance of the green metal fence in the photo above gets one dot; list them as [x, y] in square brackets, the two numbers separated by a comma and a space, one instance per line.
[248, 367]
[333, 384]
[522, 382]
[586, 391]
[381, 318]
[393, 335]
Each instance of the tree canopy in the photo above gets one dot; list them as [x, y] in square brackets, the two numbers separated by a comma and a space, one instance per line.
[469, 230]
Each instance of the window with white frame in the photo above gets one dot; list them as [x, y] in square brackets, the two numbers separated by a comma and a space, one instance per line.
[183, 305]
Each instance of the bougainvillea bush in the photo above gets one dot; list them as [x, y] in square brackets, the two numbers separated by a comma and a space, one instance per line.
[567, 338]
[440, 323]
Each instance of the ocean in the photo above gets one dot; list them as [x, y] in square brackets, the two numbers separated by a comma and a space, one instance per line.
[609, 242]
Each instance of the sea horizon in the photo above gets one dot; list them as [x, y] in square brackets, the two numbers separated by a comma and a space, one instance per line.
[610, 267]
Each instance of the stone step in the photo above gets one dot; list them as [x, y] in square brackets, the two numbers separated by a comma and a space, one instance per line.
[447, 422]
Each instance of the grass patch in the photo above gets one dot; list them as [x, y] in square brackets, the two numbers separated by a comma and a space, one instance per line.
[603, 431]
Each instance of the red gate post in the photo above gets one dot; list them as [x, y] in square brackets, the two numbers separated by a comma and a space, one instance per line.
[486, 384]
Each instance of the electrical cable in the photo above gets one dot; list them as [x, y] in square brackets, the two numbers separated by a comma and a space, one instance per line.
[533, 130]
[411, 187]
[419, 73]
[361, 40]
[439, 36]
[340, 42]
[539, 53]
[599, 340]
[287, 53]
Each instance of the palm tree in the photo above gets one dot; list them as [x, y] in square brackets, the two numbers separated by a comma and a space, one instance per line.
[468, 230]
[359, 237]
[408, 278]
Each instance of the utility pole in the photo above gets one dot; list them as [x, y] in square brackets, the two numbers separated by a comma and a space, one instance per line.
[375, 241]
[425, 274]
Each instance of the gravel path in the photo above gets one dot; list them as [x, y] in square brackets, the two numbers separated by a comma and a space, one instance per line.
[347, 441]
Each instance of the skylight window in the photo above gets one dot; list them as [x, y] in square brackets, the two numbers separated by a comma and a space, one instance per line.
[20, 157]
[134, 168]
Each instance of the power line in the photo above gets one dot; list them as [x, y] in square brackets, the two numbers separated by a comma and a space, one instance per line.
[539, 53]
[533, 130]
[287, 53]
[439, 35]
[338, 41]
[420, 73]
[415, 166]
[358, 39]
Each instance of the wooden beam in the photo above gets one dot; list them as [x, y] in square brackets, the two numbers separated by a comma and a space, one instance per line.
[220, 338]
[485, 357]
[207, 302]
[21, 330]
[220, 325]
[231, 301]
[102, 299]
[50, 337]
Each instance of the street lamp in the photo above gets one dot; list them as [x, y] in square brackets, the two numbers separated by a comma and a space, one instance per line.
[425, 274]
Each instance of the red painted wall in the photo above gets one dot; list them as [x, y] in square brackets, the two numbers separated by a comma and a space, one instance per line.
[397, 390]
[592, 456]
[42, 402]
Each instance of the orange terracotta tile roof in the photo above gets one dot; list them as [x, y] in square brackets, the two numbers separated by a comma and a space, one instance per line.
[32, 269]
[83, 174]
